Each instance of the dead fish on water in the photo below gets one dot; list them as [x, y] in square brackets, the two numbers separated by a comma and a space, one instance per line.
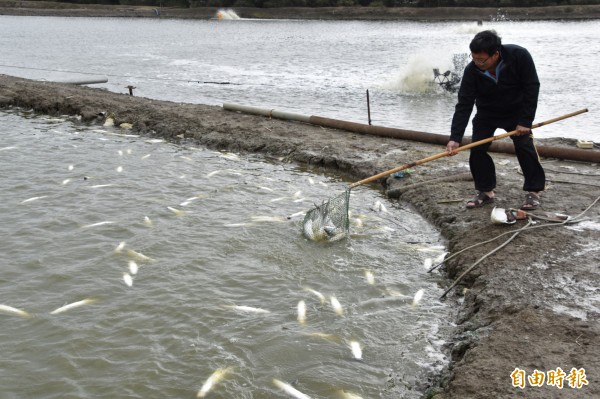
[133, 267]
[127, 279]
[317, 293]
[8, 148]
[247, 309]
[418, 297]
[214, 378]
[139, 256]
[378, 207]
[177, 212]
[73, 305]
[370, 277]
[268, 218]
[341, 394]
[33, 199]
[15, 311]
[87, 226]
[301, 312]
[337, 307]
[356, 350]
[147, 221]
[287, 388]
[120, 247]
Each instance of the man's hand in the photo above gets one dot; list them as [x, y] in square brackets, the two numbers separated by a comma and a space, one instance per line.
[452, 146]
[522, 130]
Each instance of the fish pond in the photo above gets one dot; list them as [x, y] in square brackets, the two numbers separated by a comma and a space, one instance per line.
[133, 267]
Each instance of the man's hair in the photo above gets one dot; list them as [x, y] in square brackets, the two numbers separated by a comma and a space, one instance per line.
[487, 41]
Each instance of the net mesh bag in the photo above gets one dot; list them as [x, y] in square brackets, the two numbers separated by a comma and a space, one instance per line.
[328, 221]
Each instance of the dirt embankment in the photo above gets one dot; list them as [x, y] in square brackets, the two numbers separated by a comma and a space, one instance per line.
[44, 8]
[531, 305]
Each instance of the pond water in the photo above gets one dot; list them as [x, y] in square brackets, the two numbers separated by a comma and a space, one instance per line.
[181, 261]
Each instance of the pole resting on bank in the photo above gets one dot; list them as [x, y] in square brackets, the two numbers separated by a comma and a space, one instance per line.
[572, 154]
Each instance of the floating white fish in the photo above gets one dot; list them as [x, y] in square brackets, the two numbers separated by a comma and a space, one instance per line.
[356, 349]
[176, 211]
[370, 277]
[341, 394]
[66, 181]
[427, 263]
[119, 169]
[127, 279]
[87, 226]
[32, 199]
[297, 194]
[330, 337]
[129, 149]
[147, 221]
[268, 218]
[10, 309]
[101, 185]
[311, 180]
[120, 153]
[7, 148]
[235, 224]
[211, 381]
[287, 388]
[440, 258]
[70, 167]
[335, 304]
[133, 267]
[418, 297]
[277, 199]
[155, 141]
[293, 215]
[249, 309]
[120, 247]
[301, 312]
[317, 293]
[299, 200]
[139, 256]
[266, 188]
[73, 305]
[146, 156]
[214, 172]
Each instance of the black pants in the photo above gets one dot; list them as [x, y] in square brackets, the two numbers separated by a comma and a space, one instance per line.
[482, 164]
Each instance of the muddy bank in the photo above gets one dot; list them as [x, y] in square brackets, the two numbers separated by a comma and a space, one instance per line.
[533, 304]
[577, 12]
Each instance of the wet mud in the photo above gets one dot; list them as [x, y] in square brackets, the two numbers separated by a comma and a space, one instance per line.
[531, 303]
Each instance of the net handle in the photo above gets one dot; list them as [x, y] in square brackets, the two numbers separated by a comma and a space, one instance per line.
[462, 148]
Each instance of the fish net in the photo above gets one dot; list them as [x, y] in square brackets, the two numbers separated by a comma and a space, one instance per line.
[328, 221]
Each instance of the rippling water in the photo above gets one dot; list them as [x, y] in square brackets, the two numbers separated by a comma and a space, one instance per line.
[222, 230]
[310, 67]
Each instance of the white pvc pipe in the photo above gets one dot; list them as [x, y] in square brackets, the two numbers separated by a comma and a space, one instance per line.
[83, 81]
[272, 113]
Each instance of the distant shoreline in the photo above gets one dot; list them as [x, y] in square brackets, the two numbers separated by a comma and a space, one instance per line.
[41, 8]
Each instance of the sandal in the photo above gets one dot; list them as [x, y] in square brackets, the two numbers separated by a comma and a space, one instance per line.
[480, 200]
[532, 201]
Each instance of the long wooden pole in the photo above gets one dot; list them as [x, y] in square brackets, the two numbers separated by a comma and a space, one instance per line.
[462, 148]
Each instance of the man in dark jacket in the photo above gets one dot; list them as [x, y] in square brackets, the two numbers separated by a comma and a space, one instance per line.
[502, 82]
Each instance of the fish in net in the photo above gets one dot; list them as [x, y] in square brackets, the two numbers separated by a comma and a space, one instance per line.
[328, 221]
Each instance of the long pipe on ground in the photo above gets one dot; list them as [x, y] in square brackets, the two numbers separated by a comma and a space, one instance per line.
[424, 137]
[83, 81]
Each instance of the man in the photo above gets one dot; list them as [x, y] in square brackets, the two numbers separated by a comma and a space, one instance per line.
[501, 80]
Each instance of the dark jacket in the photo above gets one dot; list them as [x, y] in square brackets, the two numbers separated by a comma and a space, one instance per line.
[514, 95]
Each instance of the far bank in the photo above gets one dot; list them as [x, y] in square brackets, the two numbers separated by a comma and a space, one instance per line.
[44, 8]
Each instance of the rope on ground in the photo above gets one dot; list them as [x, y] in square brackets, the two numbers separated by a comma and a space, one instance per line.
[484, 257]
[576, 219]
[573, 220]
